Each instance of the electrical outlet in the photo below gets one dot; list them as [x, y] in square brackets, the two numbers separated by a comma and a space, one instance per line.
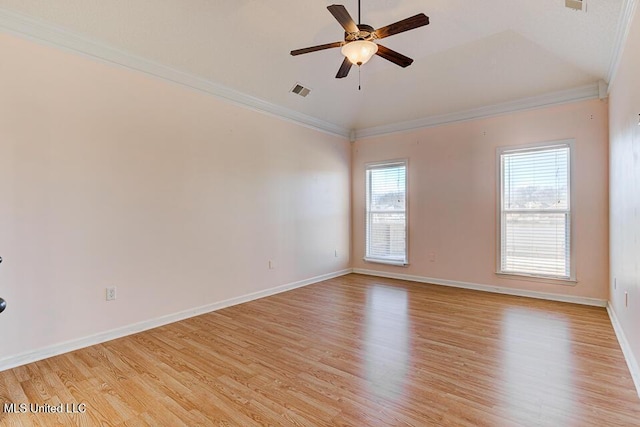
[111, 293]
[576, 4]
[626, 299]
[271, 265]
[615, 283]
[335, 253]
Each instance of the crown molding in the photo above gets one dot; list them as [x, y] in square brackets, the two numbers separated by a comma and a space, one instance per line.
[48, 34]
[622, 32]
[555, 98]
[52, 35]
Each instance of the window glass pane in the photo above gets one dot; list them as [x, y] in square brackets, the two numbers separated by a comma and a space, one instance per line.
[536, 243]
[387, 236]
[388, 189]
[536, 179]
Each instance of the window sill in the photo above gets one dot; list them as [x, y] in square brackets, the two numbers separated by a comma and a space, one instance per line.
[387, 261]
[534, 278]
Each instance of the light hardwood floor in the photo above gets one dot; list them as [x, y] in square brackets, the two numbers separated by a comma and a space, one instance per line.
[354, 350]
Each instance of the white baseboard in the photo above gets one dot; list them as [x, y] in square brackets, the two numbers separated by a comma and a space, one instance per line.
[486, 288]
[632, 363]
[65, 347]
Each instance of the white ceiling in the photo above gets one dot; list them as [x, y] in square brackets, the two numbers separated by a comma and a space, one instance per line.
[473, 54]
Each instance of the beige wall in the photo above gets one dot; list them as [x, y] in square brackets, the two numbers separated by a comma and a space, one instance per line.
[452, 195]
[110, 177]
[625, 191]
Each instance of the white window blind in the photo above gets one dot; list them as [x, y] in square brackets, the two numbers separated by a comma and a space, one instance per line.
[386, 215]
[535, 217]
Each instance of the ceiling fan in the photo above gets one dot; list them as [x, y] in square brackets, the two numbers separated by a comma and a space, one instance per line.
[359, 46]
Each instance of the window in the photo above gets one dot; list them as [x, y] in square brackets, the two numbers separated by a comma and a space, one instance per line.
[386, 213]
[535, 211]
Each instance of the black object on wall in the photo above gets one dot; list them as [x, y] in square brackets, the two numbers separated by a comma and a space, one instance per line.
[3, 303]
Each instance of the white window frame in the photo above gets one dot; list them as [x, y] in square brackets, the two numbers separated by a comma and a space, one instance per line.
[571, 279]
[367, 212]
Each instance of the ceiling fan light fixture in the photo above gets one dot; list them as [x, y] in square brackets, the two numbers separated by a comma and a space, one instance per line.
[359, 51]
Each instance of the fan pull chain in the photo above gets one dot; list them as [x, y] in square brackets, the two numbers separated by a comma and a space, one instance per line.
[359, 87]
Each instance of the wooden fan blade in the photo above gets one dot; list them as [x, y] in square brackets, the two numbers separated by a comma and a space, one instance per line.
[316, 48]
[340, 13]
[415, 21]
[393, 56]
[344, 69]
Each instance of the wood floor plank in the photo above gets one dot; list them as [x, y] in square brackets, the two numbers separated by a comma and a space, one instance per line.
[351, 351]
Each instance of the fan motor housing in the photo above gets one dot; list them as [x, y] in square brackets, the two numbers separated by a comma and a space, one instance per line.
[366, 33]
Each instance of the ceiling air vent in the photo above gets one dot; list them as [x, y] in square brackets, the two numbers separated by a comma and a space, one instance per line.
[576, 4]
[298, 89]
